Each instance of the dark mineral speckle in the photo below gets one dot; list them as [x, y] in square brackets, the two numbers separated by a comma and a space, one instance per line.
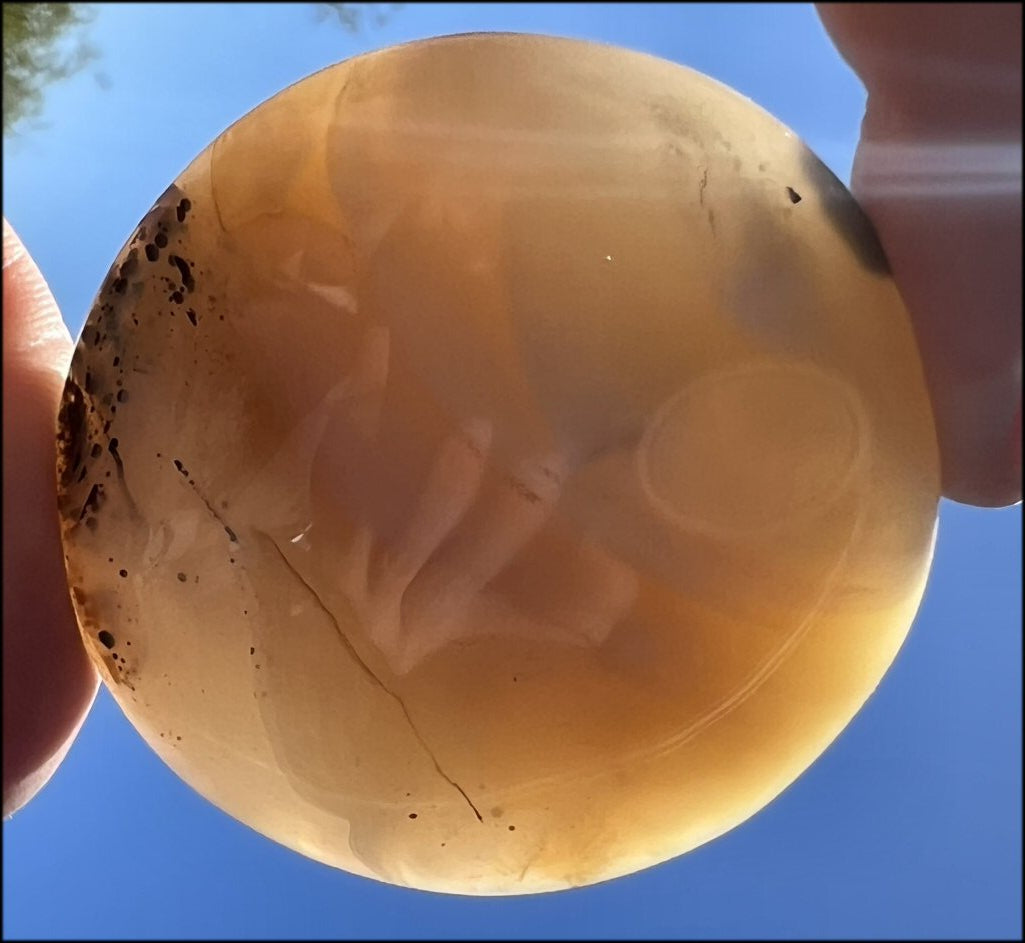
[846, 215]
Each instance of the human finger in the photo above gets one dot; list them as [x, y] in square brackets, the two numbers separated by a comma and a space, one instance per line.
[938, 170]
[48, 681]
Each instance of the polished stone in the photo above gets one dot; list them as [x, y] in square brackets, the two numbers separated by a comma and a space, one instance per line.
[497, 464]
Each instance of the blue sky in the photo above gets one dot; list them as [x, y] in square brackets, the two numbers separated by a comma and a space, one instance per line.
[908, 826]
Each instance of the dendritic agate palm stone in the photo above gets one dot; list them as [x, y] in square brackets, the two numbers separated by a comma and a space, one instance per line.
[497, 464]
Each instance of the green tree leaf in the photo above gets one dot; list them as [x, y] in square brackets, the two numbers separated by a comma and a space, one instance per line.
[37, 52]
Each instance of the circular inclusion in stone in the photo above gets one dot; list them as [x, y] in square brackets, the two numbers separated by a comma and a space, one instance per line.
[497, 464]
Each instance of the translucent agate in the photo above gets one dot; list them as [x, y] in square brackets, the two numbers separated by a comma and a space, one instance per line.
[497, 464]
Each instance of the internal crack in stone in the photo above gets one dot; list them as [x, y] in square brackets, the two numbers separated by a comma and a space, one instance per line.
[217, 207]
[374, 679]
[531, 861]
[214, 513]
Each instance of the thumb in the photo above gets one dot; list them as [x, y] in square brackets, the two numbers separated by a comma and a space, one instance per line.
[938, 170]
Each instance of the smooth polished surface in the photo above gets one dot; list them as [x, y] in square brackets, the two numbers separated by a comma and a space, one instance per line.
[497, 464]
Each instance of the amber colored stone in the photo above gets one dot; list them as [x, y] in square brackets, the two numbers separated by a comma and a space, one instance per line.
[497, 464]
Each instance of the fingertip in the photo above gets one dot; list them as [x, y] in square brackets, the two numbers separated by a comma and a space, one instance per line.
[26, 775]
[35, 335]
[938, 171]
[48, 681]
